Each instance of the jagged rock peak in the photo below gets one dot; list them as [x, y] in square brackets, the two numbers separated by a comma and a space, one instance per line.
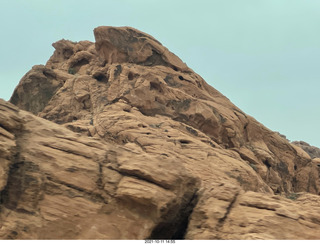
[128, 45]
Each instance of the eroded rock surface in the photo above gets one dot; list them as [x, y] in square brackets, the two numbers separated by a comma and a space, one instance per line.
[313, 151]
[227, 212]
[142, 142]
[57, 184]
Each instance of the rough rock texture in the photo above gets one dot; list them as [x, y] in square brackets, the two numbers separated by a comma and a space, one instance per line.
[228, 212]
[57, 184]
[313, 151]
[142, 147]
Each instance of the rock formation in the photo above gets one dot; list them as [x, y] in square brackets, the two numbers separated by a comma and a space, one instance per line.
[127, 142]
[313, 151]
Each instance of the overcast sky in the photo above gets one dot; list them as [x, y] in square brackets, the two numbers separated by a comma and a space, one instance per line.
[264, 55]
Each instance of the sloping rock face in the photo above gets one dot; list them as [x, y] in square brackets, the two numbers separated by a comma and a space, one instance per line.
[143, 143]
[313, 151]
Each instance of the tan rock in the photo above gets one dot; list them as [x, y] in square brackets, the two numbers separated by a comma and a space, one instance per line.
[252, 216]
[56, 184]
[36, 89]
[313, 151]
[139, 143]
[128, 45]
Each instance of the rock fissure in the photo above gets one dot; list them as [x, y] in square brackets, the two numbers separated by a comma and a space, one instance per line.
[14, 177]
[65, 150]
[91, 195]
[228, 210]
[259, 206]
[139, 175]
[74, 140]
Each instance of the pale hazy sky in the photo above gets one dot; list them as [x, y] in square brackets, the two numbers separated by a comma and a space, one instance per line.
[264, 55]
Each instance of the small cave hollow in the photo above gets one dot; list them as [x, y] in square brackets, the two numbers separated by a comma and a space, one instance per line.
[155, 86]
[75, 67]
[174, 68]
[101, 77]
[117, 71]
[131, 75]
[67, 53]
[184, 141]
[176, 229]
[267, 163]
[277, 191]
[181, 77]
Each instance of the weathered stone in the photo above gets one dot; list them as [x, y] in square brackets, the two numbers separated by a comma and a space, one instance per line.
[251, 215]
[313, 151]
[53, 179]
[142, 147]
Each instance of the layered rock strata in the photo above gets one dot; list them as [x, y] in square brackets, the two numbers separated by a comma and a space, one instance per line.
[143, 143]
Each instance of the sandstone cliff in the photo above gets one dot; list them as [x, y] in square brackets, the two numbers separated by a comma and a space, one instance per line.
[140, 147]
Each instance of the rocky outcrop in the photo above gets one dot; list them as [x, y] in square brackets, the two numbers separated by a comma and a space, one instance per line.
[36, 89]
[127, 45]
[57, 184]
[313, 151]
[227, 212]
[148, 147]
